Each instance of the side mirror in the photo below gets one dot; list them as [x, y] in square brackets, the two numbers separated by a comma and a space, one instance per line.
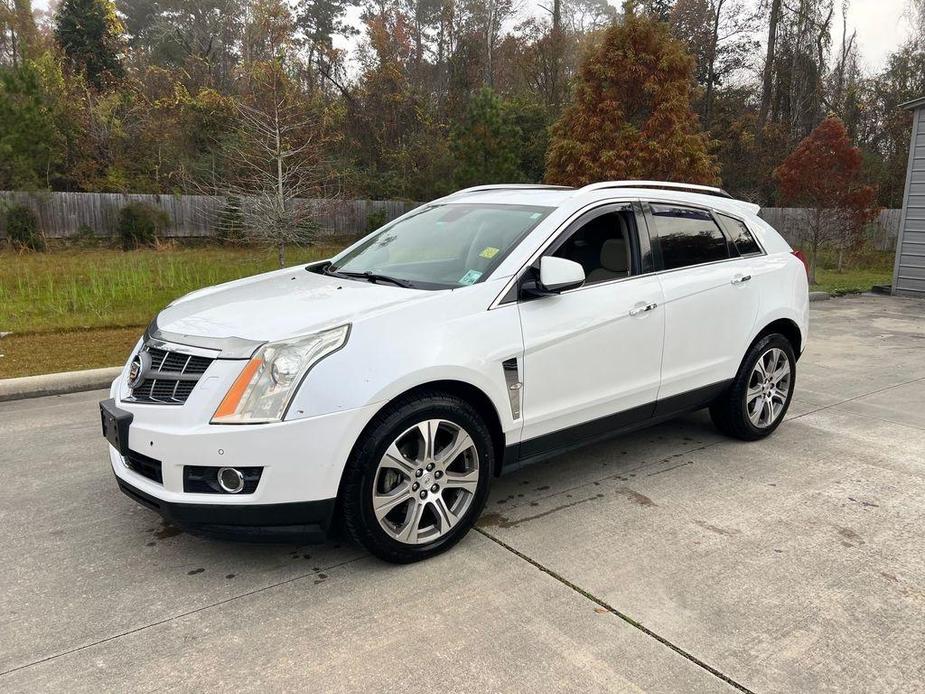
[556, 275]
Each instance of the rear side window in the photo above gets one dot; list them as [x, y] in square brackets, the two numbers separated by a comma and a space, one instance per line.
[688, 236]
[742, 238]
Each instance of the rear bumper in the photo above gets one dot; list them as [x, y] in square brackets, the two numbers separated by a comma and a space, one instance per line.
[304, 521]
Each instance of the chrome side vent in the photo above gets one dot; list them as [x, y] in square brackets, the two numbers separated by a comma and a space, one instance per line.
[514, 385]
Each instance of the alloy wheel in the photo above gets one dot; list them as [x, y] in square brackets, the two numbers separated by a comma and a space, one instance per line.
[426, 481]
[768, 388]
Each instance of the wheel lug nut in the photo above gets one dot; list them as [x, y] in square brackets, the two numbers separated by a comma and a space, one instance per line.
[415, 487]
[418, 472]
[423, 494]
[438, 474]
[430, 466]
[435, 488]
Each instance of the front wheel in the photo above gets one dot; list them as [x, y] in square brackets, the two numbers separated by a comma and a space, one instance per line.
[756, 402]
[418, 478]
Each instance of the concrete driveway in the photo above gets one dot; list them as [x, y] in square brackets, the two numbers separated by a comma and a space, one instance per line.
[672, 560]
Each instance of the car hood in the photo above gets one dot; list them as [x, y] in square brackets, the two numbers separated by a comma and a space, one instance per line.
[279, 305]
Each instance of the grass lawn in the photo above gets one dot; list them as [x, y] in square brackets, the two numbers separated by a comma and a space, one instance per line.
[851, 280]
[85, 308]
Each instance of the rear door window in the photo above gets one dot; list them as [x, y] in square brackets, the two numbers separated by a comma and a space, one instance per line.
[742, 238]
[688, 236]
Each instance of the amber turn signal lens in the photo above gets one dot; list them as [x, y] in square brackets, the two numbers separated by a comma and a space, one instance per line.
[232, 399]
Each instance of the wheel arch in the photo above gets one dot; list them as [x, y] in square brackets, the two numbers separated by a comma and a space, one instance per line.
[786, 327]
[482, 403]
[465, 390]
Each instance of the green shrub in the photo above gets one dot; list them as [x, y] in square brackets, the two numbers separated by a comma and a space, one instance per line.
[374, 220]
[85, 236]
[139, 224]
[22, 228]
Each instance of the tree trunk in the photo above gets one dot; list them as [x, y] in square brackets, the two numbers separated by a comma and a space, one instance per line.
[813, 252]
[711, 66]
[280, 188]
[767, 77]
[556, 36]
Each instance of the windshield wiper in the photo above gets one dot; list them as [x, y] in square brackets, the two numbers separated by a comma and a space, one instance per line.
[373, 277]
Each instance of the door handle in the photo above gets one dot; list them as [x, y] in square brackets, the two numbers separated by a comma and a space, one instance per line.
[739, 279]
[642, 309]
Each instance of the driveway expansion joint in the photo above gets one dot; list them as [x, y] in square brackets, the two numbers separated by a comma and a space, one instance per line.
[617, 613]
[173, 618]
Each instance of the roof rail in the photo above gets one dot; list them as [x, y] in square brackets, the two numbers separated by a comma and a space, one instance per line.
[509, 186]
[667, 185]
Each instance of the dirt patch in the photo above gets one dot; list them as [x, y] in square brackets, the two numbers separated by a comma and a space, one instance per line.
[45, 353]
[850, 538]
[635, 496]
[493, 519]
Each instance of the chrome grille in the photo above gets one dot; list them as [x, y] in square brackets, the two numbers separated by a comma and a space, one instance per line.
[171, 378]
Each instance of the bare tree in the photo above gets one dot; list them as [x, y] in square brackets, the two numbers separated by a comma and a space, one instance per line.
[279, 181]
[845, 76]
[719, 34]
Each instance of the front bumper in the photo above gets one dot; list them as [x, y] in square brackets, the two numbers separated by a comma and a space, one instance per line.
[307, 521]
[302, 462]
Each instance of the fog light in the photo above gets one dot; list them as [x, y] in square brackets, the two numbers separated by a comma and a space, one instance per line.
[230, 480]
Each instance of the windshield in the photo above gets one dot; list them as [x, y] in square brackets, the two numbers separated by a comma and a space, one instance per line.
[441, 246]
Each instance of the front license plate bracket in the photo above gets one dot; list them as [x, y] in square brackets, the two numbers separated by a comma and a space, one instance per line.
[115, 424]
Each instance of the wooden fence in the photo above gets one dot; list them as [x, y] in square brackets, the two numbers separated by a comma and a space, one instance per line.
[62, 215]
[791, 223]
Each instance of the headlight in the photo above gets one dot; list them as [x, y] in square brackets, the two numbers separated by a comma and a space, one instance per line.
[264, 389]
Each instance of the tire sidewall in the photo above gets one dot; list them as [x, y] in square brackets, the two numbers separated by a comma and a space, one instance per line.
[377, 441]
[745, 372]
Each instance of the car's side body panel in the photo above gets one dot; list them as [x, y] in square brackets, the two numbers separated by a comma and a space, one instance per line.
[708, 321]
[589, 353]
[710, 308]
[389, 354]
[711, 314]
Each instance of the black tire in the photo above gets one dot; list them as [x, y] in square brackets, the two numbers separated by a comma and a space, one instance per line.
[360, 473]
[729, 412]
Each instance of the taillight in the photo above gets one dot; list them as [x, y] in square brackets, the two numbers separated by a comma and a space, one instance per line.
[802, 259]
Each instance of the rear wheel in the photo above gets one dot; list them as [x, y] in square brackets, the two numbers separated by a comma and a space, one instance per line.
[756, 402]
[418, 478]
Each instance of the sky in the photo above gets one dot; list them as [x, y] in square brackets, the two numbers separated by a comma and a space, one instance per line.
[881, 26]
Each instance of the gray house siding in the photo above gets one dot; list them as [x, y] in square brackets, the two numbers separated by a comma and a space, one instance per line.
[909, 270]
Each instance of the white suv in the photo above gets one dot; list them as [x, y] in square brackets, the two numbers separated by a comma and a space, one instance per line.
[490, 328]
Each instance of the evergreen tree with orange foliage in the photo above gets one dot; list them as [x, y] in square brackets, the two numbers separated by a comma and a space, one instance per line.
[631, 115]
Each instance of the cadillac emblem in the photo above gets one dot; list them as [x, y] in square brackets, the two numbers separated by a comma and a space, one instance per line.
[139, 368]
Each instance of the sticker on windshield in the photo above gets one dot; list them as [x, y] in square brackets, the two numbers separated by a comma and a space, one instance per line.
[489, 252]
[470, 277]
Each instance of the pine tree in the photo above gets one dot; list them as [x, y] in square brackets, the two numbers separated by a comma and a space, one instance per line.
[32, 149]
[485, 143]
[631, 114]
[90, 34]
